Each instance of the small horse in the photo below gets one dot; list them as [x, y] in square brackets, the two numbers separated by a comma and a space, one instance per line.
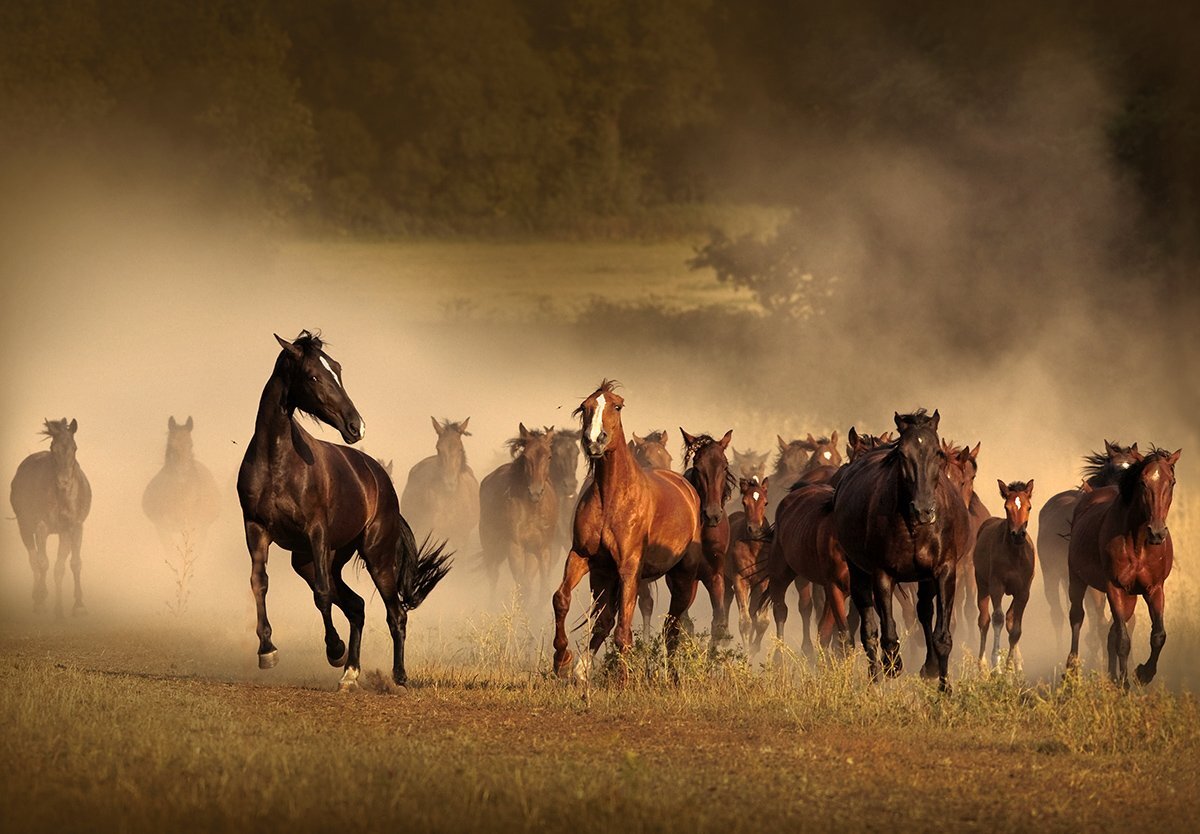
[52, 497]
[1004, 564]
[651, 451]
[745, 567]
[898, 519]
[564, 475]
[324, 503]
[1100, 469]
[1120, 544]
[962, 465]
[182, 499]
[519, 511]
[707, 470]
[441, 495]
[631, 525]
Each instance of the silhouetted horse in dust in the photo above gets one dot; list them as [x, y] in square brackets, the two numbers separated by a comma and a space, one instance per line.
[441, 496]
[1120, 544]
[324, 503]
[52, 497]
[1100, 469]
[564, 475]
[182, 499]
[518, 511]
[1004, 564]
[631, 524]
[898, 519]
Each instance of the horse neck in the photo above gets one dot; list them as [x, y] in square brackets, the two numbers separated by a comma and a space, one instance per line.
[1130, 514]
[446, 465]
[617, 472]
[178, 460]
[274, 419]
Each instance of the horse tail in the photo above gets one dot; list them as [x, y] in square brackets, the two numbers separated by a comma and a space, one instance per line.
[421, 571]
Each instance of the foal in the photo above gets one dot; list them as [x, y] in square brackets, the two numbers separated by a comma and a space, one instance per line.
[1004, 563]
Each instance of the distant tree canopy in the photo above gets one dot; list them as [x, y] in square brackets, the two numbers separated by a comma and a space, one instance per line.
[398, 116]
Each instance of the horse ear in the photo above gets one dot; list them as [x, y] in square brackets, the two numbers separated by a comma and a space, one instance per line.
[833, 438]
[851, 436]
[975, 451]
[725, 440]
[688, 440]
[744, 484]
[1133, 448]
[1003, 488]
[1174, 458]
[638, 440]
[782, 443]
[898, 420]
[189, 425]
[524, 432]
[437, 427]
[294, 351]
[462, 427]
[765, 482]
[1029, 487]
[937, 418]
[812, 441]
[1110, 447]
[74, 427]
[171, 424]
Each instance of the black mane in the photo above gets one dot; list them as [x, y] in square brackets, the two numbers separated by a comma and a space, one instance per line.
[309, 342]
[1128, 479]
[1098, 468]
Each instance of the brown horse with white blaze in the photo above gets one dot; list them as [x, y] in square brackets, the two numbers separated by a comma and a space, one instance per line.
[1120, 545]
[631, 524]
[707, 470]
[1004, 564]
[745, 565]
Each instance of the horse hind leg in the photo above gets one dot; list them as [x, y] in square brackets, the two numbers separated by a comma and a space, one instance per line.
[384, 577]
[259, 544]
[805, 606]
[306, 567]
[1158, 636]
[39, 561]
[60, 568]
[984, 601]
[1076, 590]
[646, 606]
[76, 569]
[997, 625]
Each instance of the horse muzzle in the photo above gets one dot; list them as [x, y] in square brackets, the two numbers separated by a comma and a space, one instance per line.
[595, 449]
[353, 429]
[711, 519]
[1156, 535]
[1019, 533]
[925, 514]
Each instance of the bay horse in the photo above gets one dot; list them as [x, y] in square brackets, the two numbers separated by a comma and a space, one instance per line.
[857, 444]
[898, 519]
[518, 511]
[441, 496]
[1100, 469]
[182, 499]
[51, 496]
[707, 469]
[1120, 545]
[823, 463]
[745, 566]
[651, 451]
[962, 465]
[631, 525]
[324, 503]
[564, 475]
[1004, 564]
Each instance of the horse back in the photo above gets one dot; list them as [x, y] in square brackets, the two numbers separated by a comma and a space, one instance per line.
[803, 531]
[35, 497]
[1085, 555]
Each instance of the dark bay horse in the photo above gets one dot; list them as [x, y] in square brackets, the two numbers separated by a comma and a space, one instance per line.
[518, 511]
[1120, 545]
[324, 503]
[745, 565]
[441, 496]
[564, 475]
[1004, 564]
[182, 499]
[898, 519]
[1100, 469]
[651, 451]
[707, 469]
[52, 497]
[857, 444]
[631, 525]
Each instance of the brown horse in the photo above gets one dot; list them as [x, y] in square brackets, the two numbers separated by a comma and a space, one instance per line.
[442, 496]
[745, 567]
[858, 444]
[1120, 545]
[897, 519]
[1004, 564]
[805, 551]
[823, 463]
[182, 499]
[564, 475]
[631, 525]
[518, 511]
[707, 470]
[651, 451]
[749, 465]
[962, 465]
[1100, 469]
[52, 497]
[325, 502]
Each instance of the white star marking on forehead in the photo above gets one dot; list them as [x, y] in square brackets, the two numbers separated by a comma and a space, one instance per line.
[755, 496]
[597, 424]
[332, 372]
[1017, 501]
[828, 455]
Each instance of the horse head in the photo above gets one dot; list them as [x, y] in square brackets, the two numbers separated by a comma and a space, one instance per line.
[451, 455]
[179, 440]
[857, 444]
[824, 451]
[1151, 482]
[651, 451]
[600, 414]
[754, 503]
[749, 465]
[792, 457]
[962, 466]
[564, 462]
[532, 451]
[921, 460]
[314, 385]
[1018, 499]
[62, 448]
[710, 473]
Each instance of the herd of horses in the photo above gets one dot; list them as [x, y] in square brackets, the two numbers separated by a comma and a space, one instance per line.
[895, 522]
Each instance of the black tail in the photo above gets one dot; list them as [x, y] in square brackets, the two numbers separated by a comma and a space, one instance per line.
[422, 571]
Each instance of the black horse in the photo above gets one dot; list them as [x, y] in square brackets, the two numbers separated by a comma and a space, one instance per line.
[51, 496]
[324, 503]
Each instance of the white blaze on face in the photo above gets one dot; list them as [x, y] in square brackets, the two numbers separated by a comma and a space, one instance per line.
[755, 496]
[332, 372]
[597, 424]
[1125, 465]
[828, 455]
[362, 428]
[1017, 501]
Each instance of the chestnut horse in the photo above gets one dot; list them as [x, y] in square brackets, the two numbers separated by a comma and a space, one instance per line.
[325, 502]
[745, 566]
[631, 525]
[182, 499]
[962, 465]
[441, 496]
[707, 470]
[1120, 544]
[518, 511]
[898, 519]
[1004, 564]
[51, 496]
[1100, 469]
[857, 444]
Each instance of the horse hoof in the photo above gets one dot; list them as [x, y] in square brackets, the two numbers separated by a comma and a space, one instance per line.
[340, 660]
[1144, 674]
[349, 681]
[944, 687]
[269, 659]
[562, 666]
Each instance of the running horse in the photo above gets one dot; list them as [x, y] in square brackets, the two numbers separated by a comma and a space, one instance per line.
[182, 499]
[962, 465]
[518, 511]
[745, 566]
[631, 525]
[707, 470]
[51, 496]
[441, 495]
[1004, 564]
[898, 519]
[1120, 545]
[564, 468]
[1101, 469]
[325, 502]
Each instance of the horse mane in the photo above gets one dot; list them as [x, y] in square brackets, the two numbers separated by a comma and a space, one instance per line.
[457, 426]
[1018, 486]
[516, 445]
[53, 427]
[1097, 465]
[699, 441]
[309, 342]
[918, 418]
[1130, 477]
[779, 455]
[659, 437]
[607, 386]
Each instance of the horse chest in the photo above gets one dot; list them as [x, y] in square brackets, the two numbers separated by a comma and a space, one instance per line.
[1138, 569]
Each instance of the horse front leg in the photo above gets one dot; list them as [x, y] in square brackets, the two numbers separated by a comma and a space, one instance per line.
[646, 606]
[868, 629]
[324, 595]
[1016, 612]
[60, 568]
[77, 568]
[926, 593]
[1121, 606]
[258, 542]
[39, 561]
[575, 569]
[627, 579]
[943, 635]
[1155, 602]
[712, 576]
[881, 588]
